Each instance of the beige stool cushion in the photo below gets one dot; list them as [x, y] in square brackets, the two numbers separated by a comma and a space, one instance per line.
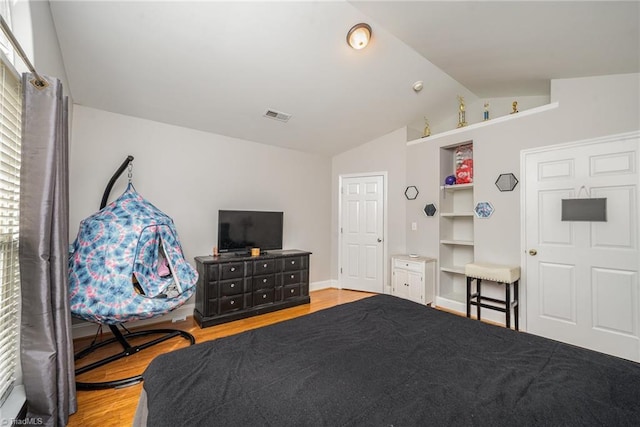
[494, 272]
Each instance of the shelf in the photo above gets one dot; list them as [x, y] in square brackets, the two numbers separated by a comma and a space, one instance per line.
[455, 269]
[457, 242]
[497, 120]
[457, 187]
[457, 214]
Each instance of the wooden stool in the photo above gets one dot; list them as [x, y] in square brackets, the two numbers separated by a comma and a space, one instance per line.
[502, 274]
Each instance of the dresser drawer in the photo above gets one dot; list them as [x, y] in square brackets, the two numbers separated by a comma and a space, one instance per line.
[408, 265]
[231, 270]
[234, 303]
[267, 266]
[293, 263]
[264, 296]
[290, 291]
[264, 282]
[291, 278]
[231, 287]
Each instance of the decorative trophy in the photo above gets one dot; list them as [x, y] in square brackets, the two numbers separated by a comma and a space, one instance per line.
[427, 129]
[515, 107]
[461, 113]
[485, 115]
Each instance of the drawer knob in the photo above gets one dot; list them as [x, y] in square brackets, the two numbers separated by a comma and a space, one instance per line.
[233, 269]
[233, 285]
[265, 266]
[264, 280]
[232, 302]
[293, 262]
[264, 296]
[292, 291]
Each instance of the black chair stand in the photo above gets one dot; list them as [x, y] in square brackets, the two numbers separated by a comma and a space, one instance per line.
[127, 350]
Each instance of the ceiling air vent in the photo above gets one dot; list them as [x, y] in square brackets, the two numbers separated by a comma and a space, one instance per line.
[277, 115]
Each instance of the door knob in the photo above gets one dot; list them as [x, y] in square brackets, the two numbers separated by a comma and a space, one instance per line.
[533, 252]
[379, 240]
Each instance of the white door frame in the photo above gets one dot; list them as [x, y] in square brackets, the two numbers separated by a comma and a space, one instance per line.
[523, 207]
[385, 285]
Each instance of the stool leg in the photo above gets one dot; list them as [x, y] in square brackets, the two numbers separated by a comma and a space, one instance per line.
[478, 281]
[517, 303]
[507, 298]
[469, 279]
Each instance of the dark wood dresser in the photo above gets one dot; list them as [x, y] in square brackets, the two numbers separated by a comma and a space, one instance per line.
[232, 287]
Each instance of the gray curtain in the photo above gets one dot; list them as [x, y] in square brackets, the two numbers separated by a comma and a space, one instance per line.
[46, 342]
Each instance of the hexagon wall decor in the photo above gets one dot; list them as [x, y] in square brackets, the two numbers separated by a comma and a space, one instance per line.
[483, 209]
[430, 209]
[411, 192]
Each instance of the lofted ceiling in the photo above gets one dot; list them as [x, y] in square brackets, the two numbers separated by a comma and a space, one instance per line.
[219, 66]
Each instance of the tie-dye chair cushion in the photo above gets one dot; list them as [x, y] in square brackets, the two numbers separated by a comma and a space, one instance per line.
[127, 264]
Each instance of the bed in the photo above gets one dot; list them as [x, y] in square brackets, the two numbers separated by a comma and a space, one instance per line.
[386, 361]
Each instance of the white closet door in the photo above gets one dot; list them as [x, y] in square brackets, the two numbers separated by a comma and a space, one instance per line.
[361, 234]
[582, 276]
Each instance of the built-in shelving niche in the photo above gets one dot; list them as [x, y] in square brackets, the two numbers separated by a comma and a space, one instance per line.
[456, 233]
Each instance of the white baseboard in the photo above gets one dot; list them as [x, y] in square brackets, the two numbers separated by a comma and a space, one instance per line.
[461, 309]
[325, 284]
[336, 285]
[87, 329]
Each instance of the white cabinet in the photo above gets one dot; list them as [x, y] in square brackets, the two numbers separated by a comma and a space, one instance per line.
[413, 278]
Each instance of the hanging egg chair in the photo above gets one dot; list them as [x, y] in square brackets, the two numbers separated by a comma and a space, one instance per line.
[127, 264]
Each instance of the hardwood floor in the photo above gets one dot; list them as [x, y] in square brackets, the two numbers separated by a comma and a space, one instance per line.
[116, 407]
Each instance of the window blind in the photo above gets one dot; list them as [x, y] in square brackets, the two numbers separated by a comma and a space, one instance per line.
[10, 133]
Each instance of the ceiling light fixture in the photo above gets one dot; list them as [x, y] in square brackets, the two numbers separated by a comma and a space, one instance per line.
[359, 35]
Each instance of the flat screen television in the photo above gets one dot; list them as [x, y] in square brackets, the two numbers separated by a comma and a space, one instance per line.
[239, 231]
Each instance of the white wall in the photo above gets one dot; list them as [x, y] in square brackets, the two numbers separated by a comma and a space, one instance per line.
[33, 27]
[190, 174]
[384, 154]
[589, 107]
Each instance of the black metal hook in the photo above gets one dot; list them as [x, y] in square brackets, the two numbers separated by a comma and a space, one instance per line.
[113, 179]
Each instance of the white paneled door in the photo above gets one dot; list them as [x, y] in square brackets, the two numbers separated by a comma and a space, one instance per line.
[582, 276]
[361, 233]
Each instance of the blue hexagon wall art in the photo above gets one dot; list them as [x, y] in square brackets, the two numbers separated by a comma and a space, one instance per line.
[483, 209]
[430, 209]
